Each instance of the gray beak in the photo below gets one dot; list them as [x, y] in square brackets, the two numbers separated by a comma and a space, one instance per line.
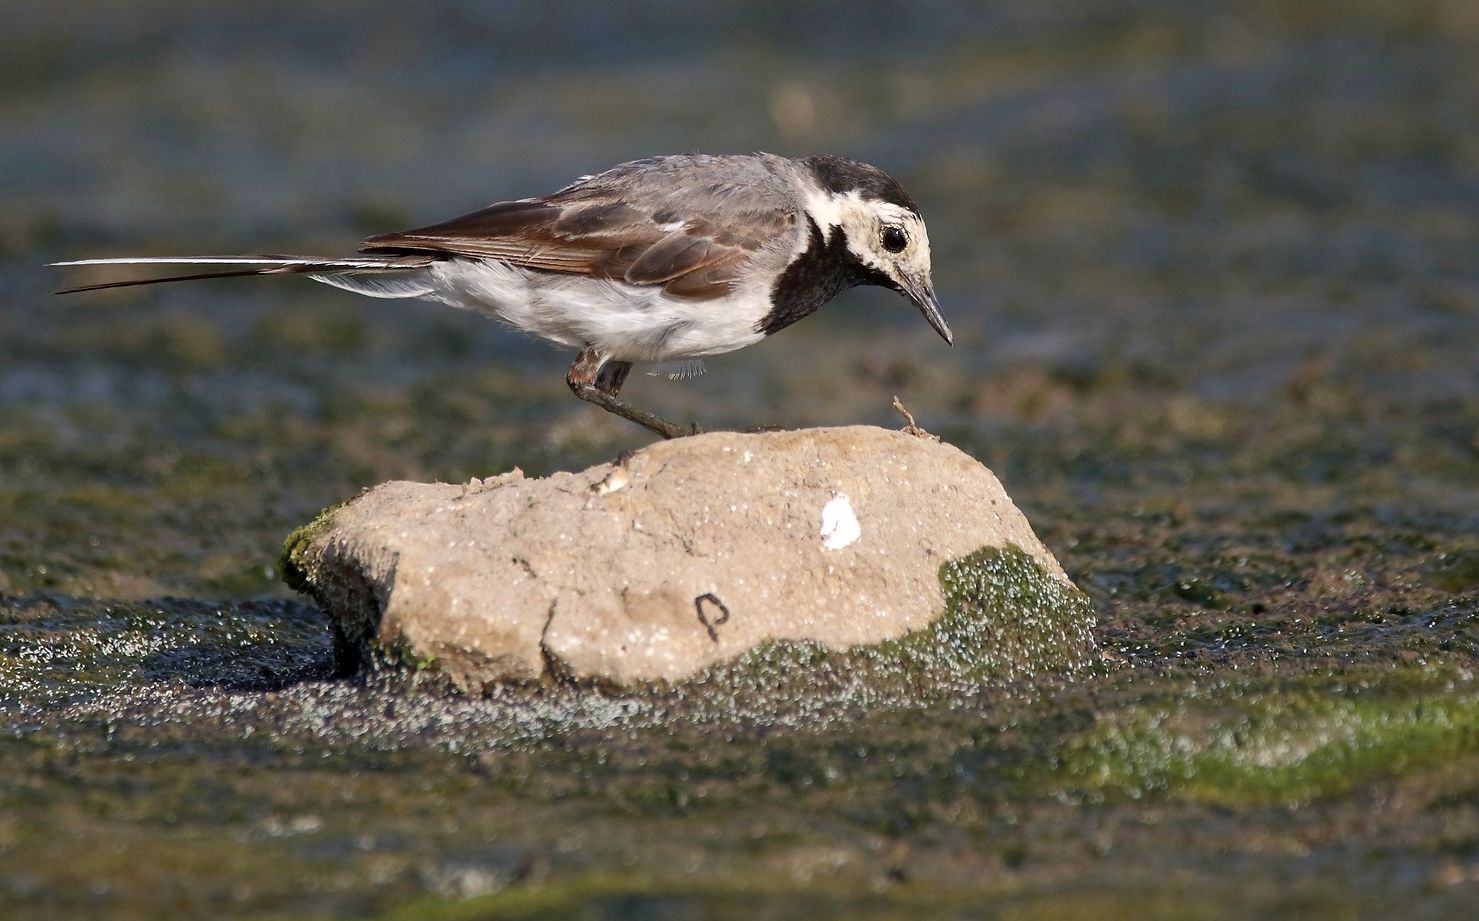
[922, 293]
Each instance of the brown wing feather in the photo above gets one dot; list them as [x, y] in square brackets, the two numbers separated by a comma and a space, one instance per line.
[676, 254]
[600, 235]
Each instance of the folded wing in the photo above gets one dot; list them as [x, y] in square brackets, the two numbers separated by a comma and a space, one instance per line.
[607, 227]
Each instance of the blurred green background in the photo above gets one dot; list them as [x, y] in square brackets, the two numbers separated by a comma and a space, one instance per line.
[1214, 274]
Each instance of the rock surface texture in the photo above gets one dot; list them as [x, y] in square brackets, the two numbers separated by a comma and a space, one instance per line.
[682, 555]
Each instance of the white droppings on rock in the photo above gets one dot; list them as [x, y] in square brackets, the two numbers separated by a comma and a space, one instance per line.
[840, 526]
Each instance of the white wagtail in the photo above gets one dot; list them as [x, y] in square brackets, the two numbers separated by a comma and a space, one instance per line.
[666, 258]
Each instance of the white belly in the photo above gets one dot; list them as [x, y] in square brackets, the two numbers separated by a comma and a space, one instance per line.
[623, 322]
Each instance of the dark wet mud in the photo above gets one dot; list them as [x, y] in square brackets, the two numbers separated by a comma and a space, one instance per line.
[1214, 281]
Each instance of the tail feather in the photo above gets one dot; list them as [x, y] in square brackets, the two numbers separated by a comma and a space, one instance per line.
[330, 271]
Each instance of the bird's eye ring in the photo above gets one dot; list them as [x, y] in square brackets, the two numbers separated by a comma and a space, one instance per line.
[894, 239]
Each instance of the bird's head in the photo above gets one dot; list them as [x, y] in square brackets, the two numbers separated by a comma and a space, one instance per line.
[883, 229]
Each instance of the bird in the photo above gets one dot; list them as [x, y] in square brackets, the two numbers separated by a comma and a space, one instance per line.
[667, 258]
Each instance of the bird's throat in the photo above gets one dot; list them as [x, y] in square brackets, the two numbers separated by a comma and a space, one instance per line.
[825, 269]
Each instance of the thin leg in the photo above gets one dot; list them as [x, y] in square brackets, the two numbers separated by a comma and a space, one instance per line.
[598, 382]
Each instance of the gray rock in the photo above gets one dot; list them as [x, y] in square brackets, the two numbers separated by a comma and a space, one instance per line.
[685, 554]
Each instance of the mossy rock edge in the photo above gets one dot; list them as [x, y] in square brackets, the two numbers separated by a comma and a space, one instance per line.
[1005, 618]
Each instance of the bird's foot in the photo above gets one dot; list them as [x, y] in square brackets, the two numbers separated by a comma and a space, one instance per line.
[598, 381]
[642, 417]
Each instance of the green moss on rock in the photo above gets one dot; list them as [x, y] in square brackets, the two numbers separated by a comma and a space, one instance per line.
[293, 561]
[1005, 617]
[345, 591]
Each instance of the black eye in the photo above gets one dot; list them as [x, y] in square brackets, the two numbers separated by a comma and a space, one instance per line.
[894, 239]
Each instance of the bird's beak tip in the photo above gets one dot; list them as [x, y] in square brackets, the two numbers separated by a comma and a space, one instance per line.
[923, 296]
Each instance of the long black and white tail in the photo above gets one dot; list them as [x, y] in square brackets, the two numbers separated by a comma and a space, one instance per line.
[376, 276]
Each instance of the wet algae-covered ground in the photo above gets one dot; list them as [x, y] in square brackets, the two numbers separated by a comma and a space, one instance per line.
[1214, 284]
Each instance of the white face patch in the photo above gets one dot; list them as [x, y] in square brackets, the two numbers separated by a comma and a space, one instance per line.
[864, 221]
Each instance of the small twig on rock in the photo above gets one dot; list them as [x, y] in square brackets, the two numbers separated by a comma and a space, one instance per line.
[910, 428]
